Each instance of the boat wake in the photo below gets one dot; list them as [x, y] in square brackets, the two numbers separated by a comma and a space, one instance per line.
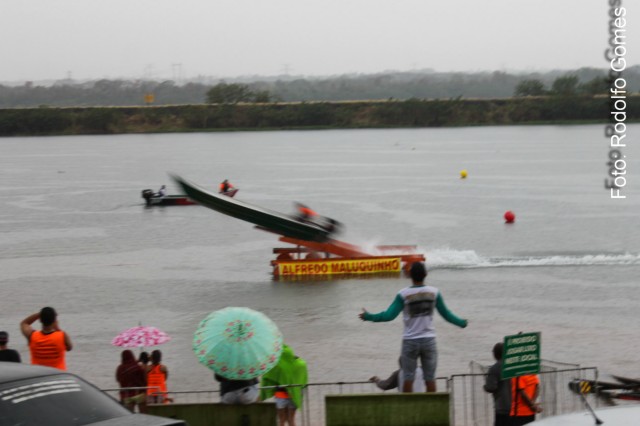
[468, 259]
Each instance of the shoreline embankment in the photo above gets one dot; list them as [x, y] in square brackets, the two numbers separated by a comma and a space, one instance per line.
[412, 113]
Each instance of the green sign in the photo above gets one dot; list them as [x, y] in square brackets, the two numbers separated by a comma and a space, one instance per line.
[521, 355]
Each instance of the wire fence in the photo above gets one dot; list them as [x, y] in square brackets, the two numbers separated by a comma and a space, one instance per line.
[470, 405]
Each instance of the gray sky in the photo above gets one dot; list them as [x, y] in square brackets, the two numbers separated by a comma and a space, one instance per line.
[90, 39]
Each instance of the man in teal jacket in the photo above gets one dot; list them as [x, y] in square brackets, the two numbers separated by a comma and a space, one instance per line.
[417, 304]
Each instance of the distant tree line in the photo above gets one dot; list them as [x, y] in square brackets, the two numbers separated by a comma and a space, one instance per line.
[233, 93]
[568, 85]
[307, 115]
[385, 86]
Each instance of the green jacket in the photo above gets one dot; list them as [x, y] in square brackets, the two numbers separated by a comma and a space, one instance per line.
[290, 370]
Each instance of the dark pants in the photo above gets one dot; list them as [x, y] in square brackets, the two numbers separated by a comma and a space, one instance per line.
[502, 420]
[521, 420]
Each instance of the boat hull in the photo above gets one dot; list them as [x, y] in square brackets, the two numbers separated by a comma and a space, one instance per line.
[171, 200]
[151, 199]
[230, 192]
[273, 221]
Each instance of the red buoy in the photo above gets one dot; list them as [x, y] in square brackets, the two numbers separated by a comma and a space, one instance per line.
[509, 216]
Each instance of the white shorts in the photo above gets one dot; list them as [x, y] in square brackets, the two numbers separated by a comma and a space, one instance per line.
[247, 395]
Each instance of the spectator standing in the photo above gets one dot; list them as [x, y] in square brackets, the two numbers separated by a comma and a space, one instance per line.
[157, 375]
[238, 391]
[143, 360]
[6, 354]
[130, 374]
[49, 345]
[290, 370]
[500, 389]
[524, 391]
[417, 304]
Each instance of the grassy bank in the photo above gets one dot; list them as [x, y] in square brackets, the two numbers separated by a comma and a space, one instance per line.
[312, 115]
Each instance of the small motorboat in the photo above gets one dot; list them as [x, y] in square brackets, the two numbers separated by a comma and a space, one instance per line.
[153, 199]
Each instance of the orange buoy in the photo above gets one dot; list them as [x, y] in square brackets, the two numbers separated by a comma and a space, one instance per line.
[509, 216]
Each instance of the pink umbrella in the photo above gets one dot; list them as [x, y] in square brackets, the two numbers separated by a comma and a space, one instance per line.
[140, 336]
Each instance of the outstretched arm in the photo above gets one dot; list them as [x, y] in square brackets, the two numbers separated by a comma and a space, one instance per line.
[447, 314]
[392, 311]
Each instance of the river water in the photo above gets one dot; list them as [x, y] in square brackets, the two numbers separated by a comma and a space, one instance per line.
[76, 236]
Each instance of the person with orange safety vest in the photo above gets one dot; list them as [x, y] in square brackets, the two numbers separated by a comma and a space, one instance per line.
[305, 213]
[157, 375]
[49, 345]
[225, 186]
[524, 392]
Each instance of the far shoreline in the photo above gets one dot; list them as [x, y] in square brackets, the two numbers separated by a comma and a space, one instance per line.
[383, 114]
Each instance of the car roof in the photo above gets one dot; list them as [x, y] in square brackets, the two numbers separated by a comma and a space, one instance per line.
[12, 371]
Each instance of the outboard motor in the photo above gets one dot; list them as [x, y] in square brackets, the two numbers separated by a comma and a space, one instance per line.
[332, 226]
[147, 194]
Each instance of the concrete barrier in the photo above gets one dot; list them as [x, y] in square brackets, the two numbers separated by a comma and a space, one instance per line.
[216, 414]
[382, 409]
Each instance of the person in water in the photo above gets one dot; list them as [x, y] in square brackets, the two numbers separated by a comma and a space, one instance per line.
[417, 303]
[225, 186]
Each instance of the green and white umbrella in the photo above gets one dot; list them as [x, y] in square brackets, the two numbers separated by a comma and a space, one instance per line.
[238, 343]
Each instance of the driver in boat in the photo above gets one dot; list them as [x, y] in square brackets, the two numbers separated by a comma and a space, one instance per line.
[225, 186]
[162, 192]
[305, 214]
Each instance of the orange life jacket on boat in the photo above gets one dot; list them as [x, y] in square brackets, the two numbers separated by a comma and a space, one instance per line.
[307, 213]
[48, 349]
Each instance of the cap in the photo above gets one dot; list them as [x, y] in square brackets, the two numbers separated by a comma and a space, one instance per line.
[4, 337]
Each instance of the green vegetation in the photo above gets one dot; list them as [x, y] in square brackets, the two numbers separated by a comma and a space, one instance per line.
[567, 85]
[423, 84]
[308, 115]
[224, 93]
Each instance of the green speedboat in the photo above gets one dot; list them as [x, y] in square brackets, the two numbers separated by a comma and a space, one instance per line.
[276, 222]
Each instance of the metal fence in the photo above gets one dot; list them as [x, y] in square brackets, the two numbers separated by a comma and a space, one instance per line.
[470, 404]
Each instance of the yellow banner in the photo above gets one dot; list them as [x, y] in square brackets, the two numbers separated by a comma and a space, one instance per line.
[340, 266]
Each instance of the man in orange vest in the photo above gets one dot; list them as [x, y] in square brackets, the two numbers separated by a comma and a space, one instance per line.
[49, 345]
[157, 375]
[305, 214]
[524, 392]
[225, 186]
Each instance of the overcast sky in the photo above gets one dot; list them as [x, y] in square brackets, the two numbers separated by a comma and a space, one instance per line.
[90, 39]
